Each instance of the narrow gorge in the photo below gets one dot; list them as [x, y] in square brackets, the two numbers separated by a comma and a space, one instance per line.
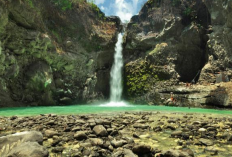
[92, 78]
[54, 57]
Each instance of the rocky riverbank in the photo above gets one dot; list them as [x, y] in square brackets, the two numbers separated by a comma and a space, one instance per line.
[127, 134]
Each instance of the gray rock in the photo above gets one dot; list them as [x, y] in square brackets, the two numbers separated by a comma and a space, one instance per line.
[57, 149]
[80, 135]
[206, 142]
[229, 138]
[176, 134]
[50, 133]
[211, 150]
[117, 153]
[178, 153]
[100, 130]
[142, 126]
[124, 152]
[76, 128]
[119, 143]
[32, 136]
[102, 122]
[170, 127]
[29, 149]
[129, 153]
[96, 141]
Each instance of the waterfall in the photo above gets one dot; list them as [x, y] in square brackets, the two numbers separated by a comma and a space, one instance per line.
[116, 72]
[116, 77]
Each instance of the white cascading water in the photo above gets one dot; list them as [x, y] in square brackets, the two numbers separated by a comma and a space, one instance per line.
[116, 72]
[116, 86]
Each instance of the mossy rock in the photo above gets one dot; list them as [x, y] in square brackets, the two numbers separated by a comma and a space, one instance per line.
[142, 76]
[3, 19]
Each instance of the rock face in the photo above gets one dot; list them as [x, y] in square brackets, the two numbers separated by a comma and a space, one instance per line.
[219, 43]
[171, 42]
[53, 53]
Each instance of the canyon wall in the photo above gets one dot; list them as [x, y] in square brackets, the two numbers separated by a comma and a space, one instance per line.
[180, 47]
[54, 53]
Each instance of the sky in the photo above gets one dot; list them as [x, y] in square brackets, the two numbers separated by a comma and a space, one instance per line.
[125, 9]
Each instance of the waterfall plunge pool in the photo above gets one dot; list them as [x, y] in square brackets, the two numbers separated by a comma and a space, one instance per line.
[101, 109]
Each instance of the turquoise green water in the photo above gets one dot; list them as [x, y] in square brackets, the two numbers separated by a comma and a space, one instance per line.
[93, 109]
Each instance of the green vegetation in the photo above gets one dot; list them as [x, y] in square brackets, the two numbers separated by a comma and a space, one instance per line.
[141, 76]
[158, 48]
[156, 3]
[67, 5]
[95, 9]
[188, 11]
[57, 36]
[135, 25]
[176, 3]
[0, 47]
[63, 4]
[30, 3]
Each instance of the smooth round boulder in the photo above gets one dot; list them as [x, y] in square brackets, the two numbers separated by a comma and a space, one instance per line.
[80, 135]
[50, 133]
[100, 130]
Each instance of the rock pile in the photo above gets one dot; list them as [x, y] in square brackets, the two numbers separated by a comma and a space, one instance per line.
[130, 134]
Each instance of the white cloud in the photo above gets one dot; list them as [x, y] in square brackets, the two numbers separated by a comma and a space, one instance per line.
[125, 9]
[102, 8]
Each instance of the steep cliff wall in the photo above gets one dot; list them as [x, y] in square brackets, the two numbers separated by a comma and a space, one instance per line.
[172, 42]
[53, 52]
[219, 43]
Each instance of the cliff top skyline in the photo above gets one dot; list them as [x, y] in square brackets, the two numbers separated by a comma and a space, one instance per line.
[125, 9]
